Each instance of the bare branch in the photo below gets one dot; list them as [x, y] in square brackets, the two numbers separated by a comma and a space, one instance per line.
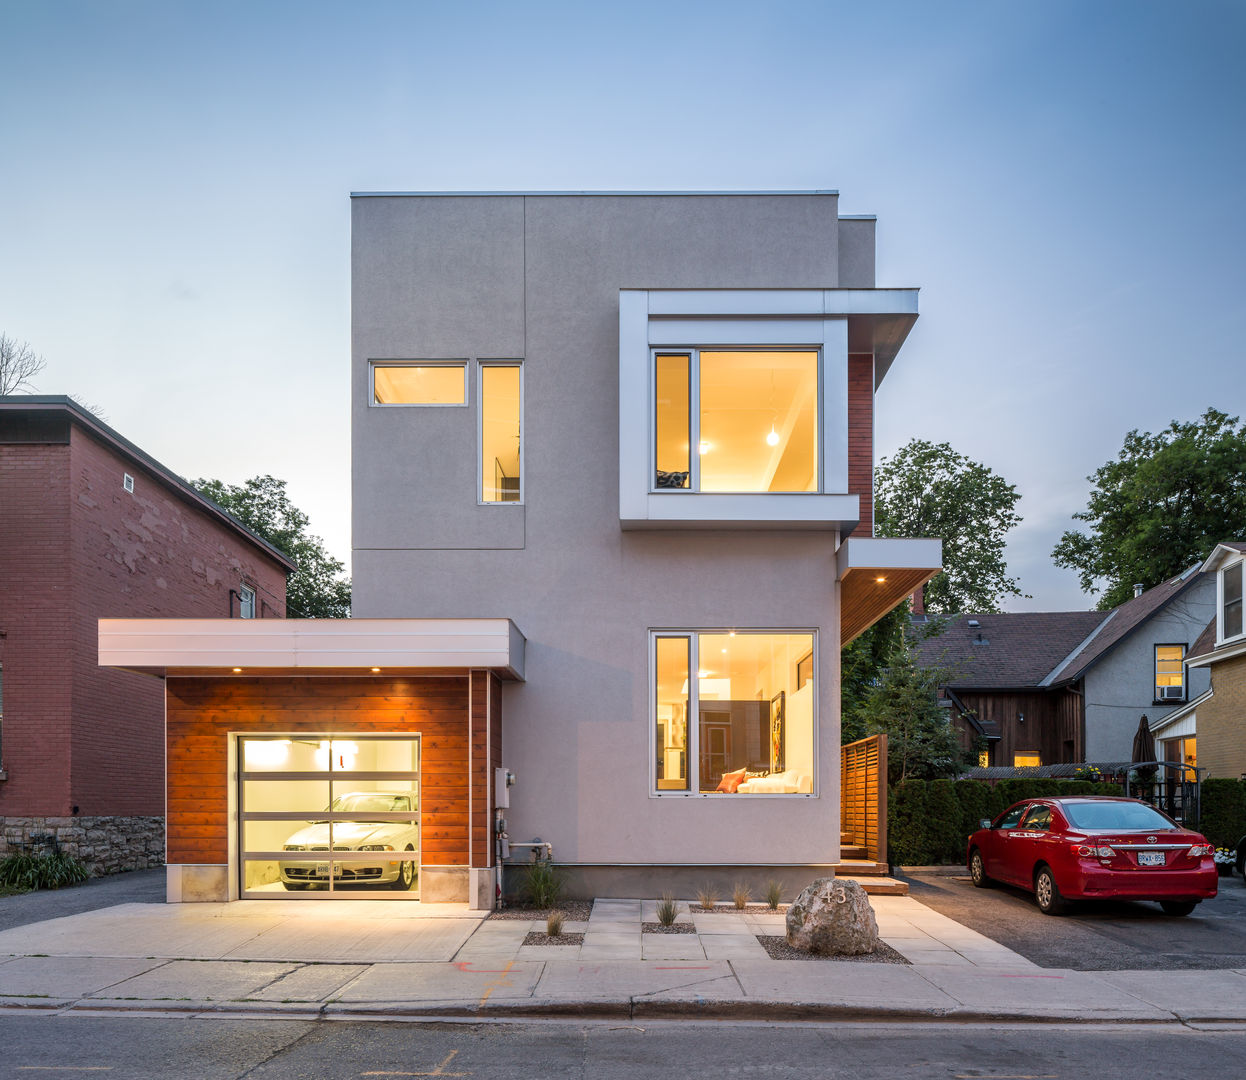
[19, 363]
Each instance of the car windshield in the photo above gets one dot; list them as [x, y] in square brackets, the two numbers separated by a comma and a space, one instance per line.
[360, 802]
[1116, 815]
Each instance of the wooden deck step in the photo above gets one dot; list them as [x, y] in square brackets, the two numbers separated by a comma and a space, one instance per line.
[853, 851]
[877, 886]
[861, 868]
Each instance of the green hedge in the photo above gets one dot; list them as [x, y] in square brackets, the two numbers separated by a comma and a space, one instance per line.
[929, 821]
[1223, 811]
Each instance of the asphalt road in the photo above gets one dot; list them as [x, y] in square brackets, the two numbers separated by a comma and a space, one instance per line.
[173, 1049]
[1099, 936]
[135, 887]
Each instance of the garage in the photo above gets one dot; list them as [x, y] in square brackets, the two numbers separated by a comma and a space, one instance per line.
[327, 759]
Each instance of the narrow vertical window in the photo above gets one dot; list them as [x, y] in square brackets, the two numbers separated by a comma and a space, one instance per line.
[671, 712]
[1231, 613]
[501, 418]
[672, 422]
[246, 602]
[1169, 672]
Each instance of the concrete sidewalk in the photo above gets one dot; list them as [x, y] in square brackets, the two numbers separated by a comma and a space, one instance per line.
[369, 960]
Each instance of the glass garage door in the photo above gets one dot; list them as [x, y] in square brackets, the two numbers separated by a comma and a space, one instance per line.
[329, 816]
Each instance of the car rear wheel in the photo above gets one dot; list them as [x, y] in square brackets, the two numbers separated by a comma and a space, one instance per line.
[406, 875]
[977, 871]
[1178, 907]
[1047, 892]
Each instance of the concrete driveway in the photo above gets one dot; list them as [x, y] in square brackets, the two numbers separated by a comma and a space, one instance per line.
[1095, 937]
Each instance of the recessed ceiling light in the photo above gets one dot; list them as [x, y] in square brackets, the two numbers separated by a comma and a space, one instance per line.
[376, 670]
[237, 670]
[880, 580]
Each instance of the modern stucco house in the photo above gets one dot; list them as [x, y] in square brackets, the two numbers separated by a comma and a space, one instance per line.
[612, 494]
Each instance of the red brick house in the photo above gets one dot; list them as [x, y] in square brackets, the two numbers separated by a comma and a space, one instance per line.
[91, 527]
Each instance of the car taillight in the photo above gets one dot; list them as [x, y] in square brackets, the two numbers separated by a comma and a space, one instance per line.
[1086, 851]
[1197, 851]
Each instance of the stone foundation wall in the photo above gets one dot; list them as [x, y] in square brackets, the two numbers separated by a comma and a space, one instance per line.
[108, 845]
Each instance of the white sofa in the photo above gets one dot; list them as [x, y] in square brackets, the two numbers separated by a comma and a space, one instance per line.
[784, 783]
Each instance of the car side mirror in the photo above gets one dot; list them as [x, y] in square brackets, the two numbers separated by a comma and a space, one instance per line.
[985, 823]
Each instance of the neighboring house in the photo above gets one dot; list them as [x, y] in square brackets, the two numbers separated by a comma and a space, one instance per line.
[1043, 688]
[1211, 731]
[90, 526]
[612, 505]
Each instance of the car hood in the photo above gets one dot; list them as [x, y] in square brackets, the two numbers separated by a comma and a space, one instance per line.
[351, 833]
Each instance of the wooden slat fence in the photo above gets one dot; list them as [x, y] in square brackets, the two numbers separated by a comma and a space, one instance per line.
[863, 795]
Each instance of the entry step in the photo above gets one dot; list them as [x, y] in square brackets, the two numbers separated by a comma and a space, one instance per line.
[876, 885]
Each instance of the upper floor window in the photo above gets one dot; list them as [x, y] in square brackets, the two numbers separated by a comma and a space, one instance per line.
[418, 382]
[246, 602]
[1231, 602]
[727, 716]
[501, 420]
[1169, 672]
[735, 420]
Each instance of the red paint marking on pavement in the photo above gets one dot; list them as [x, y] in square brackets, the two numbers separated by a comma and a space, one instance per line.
[466, 966]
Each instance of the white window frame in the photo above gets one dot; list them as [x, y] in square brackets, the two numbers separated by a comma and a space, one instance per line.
[245, 593]
[693, 352]
[1221, 639]
[1185, 675]
[693, 749]
[462, 363]
[481, 365]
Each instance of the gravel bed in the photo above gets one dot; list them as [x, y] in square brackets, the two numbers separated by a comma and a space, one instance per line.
[572, 910]
[674, 928]
[539, 937]
[731, 909]
[777, 948]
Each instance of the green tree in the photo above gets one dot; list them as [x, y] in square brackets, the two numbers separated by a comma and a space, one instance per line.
[1160, 507]
[317, 589]
[928, 489]
[903, 704]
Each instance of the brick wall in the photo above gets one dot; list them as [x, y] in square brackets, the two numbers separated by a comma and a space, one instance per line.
[36, 602]
[1221, 736]
[76, 547]
[861, 437]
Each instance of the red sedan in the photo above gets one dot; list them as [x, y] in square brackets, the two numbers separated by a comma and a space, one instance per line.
[1093, 848]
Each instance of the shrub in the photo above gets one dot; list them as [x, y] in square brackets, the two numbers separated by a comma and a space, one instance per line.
[543, 883]
[553, 925]
[668, 909]
[708, 896]
[943, 827]
[774, 894]
[23, 871]
[906, 827]
[1223, 807]
[974, 799]
[741, 894]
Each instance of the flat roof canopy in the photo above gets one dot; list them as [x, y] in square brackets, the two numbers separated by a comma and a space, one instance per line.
[876, 573]
[307, 646]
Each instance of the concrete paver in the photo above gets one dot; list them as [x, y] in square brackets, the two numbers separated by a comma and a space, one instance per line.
[1190, 995]
[76, 976]
[310, 982]
[442, 982]
[200, 980]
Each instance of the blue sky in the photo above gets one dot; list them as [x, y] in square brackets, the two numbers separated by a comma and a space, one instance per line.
[1062, 180]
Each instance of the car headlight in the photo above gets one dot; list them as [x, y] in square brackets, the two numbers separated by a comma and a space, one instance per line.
[294, 847]
[376, 847]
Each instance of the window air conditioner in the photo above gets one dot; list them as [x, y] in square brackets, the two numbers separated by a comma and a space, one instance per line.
[1168, 693]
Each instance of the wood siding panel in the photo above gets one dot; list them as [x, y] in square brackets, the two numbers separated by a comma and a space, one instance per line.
[863, 795]
[201, 713]
[1053, 724]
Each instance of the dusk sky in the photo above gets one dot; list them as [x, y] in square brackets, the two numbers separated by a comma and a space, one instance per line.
[1063, 181]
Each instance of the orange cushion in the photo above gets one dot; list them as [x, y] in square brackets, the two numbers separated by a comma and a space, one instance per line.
[731, 781]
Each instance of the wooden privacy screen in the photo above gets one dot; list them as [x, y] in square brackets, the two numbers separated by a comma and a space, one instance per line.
[863, 795]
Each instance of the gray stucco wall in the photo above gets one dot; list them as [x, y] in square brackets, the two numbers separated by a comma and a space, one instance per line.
[537, 278]
[1120, 688]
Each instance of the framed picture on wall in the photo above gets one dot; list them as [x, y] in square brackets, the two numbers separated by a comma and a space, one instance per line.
[804, 669]
[777, 725]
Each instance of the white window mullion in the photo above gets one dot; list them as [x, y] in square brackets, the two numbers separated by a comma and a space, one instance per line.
[694, 714]
[694, 419]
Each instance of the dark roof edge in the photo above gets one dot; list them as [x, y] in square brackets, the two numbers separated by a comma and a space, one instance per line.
[542, 194]
[1075, 675]
[93, 424]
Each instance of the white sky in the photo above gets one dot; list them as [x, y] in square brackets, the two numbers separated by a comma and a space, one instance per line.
[1062, 180]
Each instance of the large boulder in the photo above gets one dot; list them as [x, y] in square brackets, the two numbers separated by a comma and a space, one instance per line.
[832, 916]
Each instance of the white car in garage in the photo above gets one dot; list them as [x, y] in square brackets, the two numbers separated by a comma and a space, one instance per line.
[358, 835]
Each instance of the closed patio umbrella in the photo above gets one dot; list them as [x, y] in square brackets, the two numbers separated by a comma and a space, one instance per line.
[1144, 742]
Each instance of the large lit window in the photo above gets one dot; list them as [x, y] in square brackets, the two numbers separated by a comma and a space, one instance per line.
[1231, 602]
[1026, 759]
[501, 417]
[414, 383]
[736, 420]
[728, 716]
[1169, 672]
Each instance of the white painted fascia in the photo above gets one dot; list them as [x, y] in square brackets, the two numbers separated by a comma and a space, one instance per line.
[219, 645]
[1221, 652]
[1180, 723]
[1077, 649]
[888, 553]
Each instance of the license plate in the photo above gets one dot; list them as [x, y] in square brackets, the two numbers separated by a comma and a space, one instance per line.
[322, 869]
[1150, 858]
